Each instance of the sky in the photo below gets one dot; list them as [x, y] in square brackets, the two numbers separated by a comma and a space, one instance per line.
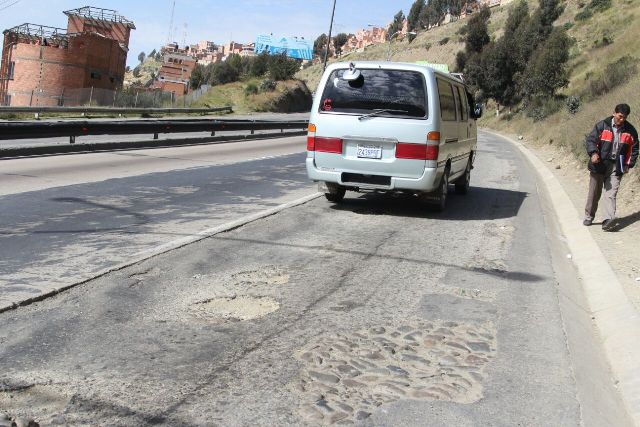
[215, 20]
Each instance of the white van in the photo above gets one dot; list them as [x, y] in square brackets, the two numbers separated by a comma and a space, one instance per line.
[391, 126]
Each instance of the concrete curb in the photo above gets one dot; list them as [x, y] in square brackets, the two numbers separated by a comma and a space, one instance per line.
[616, 320]
[167, 247]
[131, 145]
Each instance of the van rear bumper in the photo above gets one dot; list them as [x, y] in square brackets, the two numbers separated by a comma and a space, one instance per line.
[426, 183]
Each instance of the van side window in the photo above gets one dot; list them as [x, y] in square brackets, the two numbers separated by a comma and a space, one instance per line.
[447, 101]
[456, 95]
[464, 104]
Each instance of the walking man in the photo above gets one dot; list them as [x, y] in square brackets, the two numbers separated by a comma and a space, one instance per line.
[612, 147]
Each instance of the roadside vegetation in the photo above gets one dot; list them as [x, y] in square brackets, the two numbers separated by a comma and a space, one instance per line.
[260, 83]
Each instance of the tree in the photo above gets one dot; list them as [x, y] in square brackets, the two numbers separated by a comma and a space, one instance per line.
[547, 70]
[339, 41]
[152, 54]
[198, 77]
[282, 67]
[320, 46]
[455, 7]
[396, 25]
[235, 61]
[141, 57]
[413, 19]
[222, 73]
[260, 65]
[477, 31]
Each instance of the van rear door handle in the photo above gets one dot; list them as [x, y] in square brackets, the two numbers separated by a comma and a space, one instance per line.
[448, 140]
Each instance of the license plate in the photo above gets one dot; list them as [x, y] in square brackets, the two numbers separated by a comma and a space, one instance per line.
[370, 151]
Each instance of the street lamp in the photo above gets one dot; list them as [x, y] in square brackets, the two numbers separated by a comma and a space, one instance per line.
[413, 33]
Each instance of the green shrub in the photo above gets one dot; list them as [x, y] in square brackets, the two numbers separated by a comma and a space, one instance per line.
[267, 85]
[614, 74]
[599, 5]
[540, 108]
[573, 104]
[584, 15]
[443, 41]
[606, 40]
[568, 25]
[251, 89]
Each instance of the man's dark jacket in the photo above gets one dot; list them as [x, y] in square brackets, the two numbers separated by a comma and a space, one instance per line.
[600, 141]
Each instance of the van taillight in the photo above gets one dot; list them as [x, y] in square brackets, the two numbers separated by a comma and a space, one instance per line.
[311, 143]
[324, 145]
[416, 151]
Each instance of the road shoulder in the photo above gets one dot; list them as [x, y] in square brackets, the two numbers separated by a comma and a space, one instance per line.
[614, 316]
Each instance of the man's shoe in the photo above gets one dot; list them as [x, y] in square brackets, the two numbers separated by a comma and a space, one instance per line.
[607, 225]
[587, 222]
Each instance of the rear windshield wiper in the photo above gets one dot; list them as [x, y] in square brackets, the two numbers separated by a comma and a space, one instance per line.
[381, 111]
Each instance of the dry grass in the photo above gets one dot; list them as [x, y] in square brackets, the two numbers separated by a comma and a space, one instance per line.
[233, 94]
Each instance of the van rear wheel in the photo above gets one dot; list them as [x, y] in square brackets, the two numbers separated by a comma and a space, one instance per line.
[336, 192]
[437, 200]
[463, 183]
[442, 192]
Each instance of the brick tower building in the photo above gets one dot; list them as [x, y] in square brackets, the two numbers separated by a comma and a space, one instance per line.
[40, 64]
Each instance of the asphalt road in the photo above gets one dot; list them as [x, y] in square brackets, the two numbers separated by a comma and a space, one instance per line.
[64, 219]
[373, 312]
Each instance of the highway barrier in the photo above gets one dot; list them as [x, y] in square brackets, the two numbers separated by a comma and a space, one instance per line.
[112, 110]
[75, 128]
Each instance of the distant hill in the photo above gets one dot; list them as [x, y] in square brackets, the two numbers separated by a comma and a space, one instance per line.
[147, 71]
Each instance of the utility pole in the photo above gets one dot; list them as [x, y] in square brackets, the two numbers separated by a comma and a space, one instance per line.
[326, 53]
[170, 35]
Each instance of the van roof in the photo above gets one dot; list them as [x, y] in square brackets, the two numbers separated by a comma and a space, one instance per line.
[394, 66]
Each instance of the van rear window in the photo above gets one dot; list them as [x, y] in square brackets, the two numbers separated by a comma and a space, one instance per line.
[401, 93]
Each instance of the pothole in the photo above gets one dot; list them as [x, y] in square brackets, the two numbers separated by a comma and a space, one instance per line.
[264, 276]
[345, 377]
[234, 308]
[42, 401]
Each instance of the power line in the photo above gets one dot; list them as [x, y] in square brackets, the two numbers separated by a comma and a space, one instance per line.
[9, 5]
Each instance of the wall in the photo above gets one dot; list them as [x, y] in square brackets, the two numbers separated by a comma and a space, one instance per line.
[43, 72]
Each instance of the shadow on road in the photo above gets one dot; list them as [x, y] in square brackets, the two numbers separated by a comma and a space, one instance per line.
[479, 203]
[140, 219]
[518, 276]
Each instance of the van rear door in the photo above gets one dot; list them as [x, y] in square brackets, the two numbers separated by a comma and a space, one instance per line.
[374, 118]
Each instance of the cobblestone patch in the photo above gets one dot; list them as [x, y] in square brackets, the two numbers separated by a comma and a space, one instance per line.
[234, 308]
[345, 377]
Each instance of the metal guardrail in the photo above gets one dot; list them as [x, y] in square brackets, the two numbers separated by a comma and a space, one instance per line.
[73, 129]
[112, 110]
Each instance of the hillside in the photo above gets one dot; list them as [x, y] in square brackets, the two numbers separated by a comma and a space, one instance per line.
[600, 40]
[148, 70]
[287, 97]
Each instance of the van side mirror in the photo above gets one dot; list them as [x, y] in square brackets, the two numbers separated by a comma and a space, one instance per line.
[477, 111]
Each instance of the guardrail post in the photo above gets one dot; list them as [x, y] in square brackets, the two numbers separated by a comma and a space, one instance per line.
[155, 136]
[213, 133]
[72, 139]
